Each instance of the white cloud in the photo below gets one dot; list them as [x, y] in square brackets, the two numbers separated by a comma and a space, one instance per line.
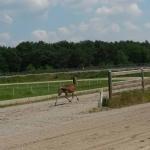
[85, 5]
[83, 27]
[4, 36]
[92, 29]
[5, 18]
[103, 20]
[134, 9]
[6, 2]
[130, 26]
[104, 11]
[147, 25]
[115, 27]
[117, 9]
[40, 35]
[64, 30]
[54, 36]
[105, 6]
[101, 6]
[37, 4]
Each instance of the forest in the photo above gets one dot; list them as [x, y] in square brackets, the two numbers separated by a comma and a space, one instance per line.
[40, 56]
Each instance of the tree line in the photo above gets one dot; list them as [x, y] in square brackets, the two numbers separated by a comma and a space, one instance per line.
[37, 56]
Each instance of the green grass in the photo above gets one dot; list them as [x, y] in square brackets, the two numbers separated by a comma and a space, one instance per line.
[52, 77]
[30, 90]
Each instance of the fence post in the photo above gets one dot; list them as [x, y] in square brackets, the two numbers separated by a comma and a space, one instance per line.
[75, 80]
[142, 76]
[110, 84]
[100, 101]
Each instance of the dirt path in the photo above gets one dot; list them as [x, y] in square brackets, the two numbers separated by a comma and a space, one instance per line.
[41, 126]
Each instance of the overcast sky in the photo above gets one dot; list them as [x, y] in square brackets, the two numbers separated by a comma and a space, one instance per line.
[73, 20]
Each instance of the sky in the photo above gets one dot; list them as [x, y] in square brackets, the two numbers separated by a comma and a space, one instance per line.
[73, 20]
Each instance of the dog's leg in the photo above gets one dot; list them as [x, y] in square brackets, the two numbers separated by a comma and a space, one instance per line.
[56, 101]
[76, 97]
[66, 96]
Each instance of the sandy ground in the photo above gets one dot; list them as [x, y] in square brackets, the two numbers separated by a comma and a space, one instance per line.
[41, 126]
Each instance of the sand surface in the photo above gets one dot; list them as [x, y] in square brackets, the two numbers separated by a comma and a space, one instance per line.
[42, 126]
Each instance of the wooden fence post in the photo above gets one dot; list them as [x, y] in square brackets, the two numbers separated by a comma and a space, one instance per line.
[75, 80]
[110, 84]
[100, 101]
[142, 76]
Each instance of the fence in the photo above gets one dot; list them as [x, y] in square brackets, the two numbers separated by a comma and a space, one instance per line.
[22, 90]
[138, 78]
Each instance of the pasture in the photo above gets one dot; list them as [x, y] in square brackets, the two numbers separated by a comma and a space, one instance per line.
[25, 86]
[43, 77]
[22, 90]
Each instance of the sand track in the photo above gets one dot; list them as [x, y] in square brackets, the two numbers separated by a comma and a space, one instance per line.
[41, 126]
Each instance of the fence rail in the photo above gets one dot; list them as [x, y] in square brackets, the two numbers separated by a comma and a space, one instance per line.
[59, 81]
[136, 82]
[125, 72]
[21, 90]
[116, 69]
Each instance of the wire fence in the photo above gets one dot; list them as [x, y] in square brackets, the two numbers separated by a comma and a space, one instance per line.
[22, 90]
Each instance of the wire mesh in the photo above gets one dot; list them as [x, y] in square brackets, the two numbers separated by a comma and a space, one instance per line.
[12, 91]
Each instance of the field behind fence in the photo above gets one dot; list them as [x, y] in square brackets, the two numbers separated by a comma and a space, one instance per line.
[22, 90]
[116, 80]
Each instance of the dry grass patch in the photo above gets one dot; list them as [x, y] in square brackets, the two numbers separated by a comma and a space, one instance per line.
[129, 98]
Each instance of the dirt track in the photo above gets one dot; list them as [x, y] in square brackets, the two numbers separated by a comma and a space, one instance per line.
[41, 126]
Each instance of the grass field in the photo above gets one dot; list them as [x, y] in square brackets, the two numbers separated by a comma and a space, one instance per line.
[51, 77]
[21, 90]
[38, 89]
[60, 76]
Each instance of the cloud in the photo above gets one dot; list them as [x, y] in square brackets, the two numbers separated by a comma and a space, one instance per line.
[134, 9]
[104, 6]
[4, 38]
[37, 4]
[64, 30]
[109, 11]
[84, 5]
[101, 6]
[6, 2]
[118, 9]
[92, 29]
[147, 25]
[131, 27]
[115, 27]
[40, 35]
[83, 27]
[104, 11]
[105, 18]
[5, 18]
